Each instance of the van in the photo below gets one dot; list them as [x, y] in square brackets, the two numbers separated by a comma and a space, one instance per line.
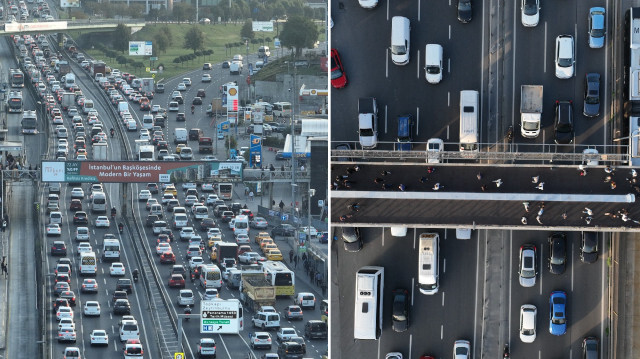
[263, 51]
[55, 217]
[180, 135]
[99, 202]
[433, 63]
[469, 120]
[123, 106]
[428, 271]
[241, 225]
[129, 330]
[201, 212]
[316, 329]
[266, 320]
[282, 109]
[156, 209]
[54, 187]
[147, 121]
[400, 32]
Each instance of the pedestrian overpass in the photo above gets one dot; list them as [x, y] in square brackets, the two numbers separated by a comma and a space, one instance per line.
[38, 27]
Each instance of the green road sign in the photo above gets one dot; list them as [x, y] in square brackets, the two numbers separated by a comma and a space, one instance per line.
[216, 321]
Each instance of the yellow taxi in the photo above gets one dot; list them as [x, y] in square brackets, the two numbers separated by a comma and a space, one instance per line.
[171, 189]
[274, 255]
[269, 247]
[266, 241]
[262, 235]
[180, 147]
[213, 239]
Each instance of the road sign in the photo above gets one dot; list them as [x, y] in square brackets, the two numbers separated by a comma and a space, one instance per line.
[178, 356]
[153, 58]
[220, 316]
[147, 69]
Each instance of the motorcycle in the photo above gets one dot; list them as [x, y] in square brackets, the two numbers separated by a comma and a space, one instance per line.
[506, 351]
[120, 227]
[187, 311]
[135, 275]
[510, 133]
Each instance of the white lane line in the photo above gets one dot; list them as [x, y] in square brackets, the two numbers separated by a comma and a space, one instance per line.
[378, 348]
[417, 125]
[449, 32]
[387, 20]
[385, 119]
[545, 48]
[413, 282]
[418, 66]
[418, 20]
[441, 331]
[540, 267]
[383, 236]
[483, 51]
[444, 265]
[510, 281]
[414, 239]
[448, 98]
[410, 345]
[386, 56]
[572, 266]
[449, 65]
[575, 41]
[448, 130]
[443, 295]
[603, 287]
[475, 307]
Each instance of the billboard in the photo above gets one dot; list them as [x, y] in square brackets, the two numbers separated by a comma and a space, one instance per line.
[220, 316]
[141, 171]
[262, 25]
[69, 3]
[140, 48]
[255, 150]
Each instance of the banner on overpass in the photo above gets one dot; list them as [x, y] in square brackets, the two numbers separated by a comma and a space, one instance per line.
[35, 26]
[141, 171]
[69, 3]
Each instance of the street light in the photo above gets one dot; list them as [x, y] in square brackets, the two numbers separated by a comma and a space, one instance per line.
[312, 192]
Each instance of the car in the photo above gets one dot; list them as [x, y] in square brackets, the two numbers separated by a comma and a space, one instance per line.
[461, 349]
[89, 285]
[400, 307]
[117, 269]
[260, 340]
[258, 223]
[248, 257]
[530, 12]
[186, 233]
[75, 205]
[226, 64]
[558, 313]
[197, 101]
[58, 248]
[64, 312]
[592, 95]
[195, 261]
[121, 307]
[557, 259]
[338, 76]
[71, 353]
[565, 57]
[293, 312]
[285, 230]
[163, 247]
[181, 86]
[185, 297]
[99, 337]
[465, 13]
[394, 355]
[210, 294]
[186, 81]
[528, 265]
[273, 254]
[168, 257]
[597, 28]
[207, 66]
[589, 247]
[70, 296]
[590, 348]
[124, 284]
[351, 238]
[102, 221]
[284, 334]
[53, 229]
[66, 335]
[207, 223]
[118, 294]
[528, 314]
[563, 128]
[91, 308]
[77, 193]
[181, 117]
[60, 287]
[207, 346]
[144, 195]
[176, 281]
[80, 217]
[173, 106]
[206, 78]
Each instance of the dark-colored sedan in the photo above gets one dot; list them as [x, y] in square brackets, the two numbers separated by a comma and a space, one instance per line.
[197, 101]
[70, 296]
[225, 64]
[563, 127]
[152, 187]
[557, 253]
[338, 76]
[351, 238]
[58, 248]
[400, 316]
[80, 217]
[122, 307]
[589, 247]
[207, 223]
[285, 230]
[590, 348]
[201, 93]
[118, 294]
[125, 285]
[180, 117]
[592, 95]
[464, 11]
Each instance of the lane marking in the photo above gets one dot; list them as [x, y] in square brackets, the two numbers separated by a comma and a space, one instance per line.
[544, 48]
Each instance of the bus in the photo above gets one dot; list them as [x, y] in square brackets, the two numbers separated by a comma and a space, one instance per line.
[367, 317]
[210, 276]
[15, 101]
[225, 191]
[88, 264]
[16, 77]
[29, 122]
[280, 277]
[282, 109]
[111, 249]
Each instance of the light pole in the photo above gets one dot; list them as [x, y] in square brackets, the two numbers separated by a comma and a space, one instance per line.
[312, 192]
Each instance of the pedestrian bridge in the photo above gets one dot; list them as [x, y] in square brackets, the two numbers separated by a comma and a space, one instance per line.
[62, 26]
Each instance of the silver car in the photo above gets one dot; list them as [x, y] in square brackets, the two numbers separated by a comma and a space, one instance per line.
[527, 267]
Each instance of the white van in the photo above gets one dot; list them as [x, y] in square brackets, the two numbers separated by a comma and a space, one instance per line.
[180, 135]
[241, 225]
[433, 63]
[469, 120]
[201, 212]
[98, 202]
[263, 51]
[428, 271]
[122, 107]
[147, 121]
[88, 106]
[282, 109]
[156, 209]
[400, 33]
[129, 330]
[266, 320]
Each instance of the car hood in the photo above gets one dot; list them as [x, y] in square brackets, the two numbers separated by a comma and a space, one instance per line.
[564, 137]
[556, 268]
[352, 246]
[596, 42]
[591, 110]
[528, 282]
[557, 329]
[564, 72]
[530, 20]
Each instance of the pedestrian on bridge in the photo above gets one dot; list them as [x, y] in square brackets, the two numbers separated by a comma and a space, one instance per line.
[386, 186]
[583, 172]
[609, 170]
[526, 206]
[291, 256]
[402, 187]
[539, 219]
[251, 196]
[607, 179]
[498, 182]
[588, 219]
[523, 220]
[588, 211]
[540, 186]
[423, 179]
[378, 180]
[437, 187]
[634, 173]
[535, 179]
[564, 215]
[613, 185]
[479, 176]
[384, 173]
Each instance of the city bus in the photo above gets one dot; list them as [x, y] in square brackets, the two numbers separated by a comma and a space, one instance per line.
[225, 191]
[88, 263]
[280, 277]
[15, 101]
[16, 77]
[111, 249]
[29, 122]
[367, 318]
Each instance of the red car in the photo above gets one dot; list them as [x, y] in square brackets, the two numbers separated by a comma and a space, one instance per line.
[168, 257]
[338, 76]
[76, 205]
[176, 281]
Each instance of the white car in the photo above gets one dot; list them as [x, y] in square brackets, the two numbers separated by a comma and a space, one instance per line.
[91, 308]
[53, 229]
[159, 227]
[206, 78]
[242, 239]
[186, 81]
[394, 355]
[174, 106]
[211, 199]
[144, 195]
[565, 57]
[190, 200]
[258, 223]
[163, 247]
[186, 233]
[99, 337]
[214, 233]
[368, 4]
[144, 135]
[84, 247]
[195, 261]
[207, 187]
[248, 257]
[461, 349]
[77, 193]
[132, 125]
[530, 12]
[64, 312]
[285, 334]
[117, 269]
[210, 294]
[66, 323]
[312, 231]
[434, 147]
[81, 157]
[181, 86]
[528, 314]
[102, 221]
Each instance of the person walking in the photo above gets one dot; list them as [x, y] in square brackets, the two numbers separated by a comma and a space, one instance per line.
[437, 187]
[378, 180]
[402, 187]
[526, 206]
[304, 257]
[498, 182]
[479, 176]
[613, 185]
[483, 188]
[423, 179]
[384, 173]
[583, 172]
[564, 215]
[251, 196]
[588, 211]
[291, 256]
[281, 205]
[539, 219]
[5, 270]
[523, 220]
[535, 179]
[540, 186]
[609, 170]
[295, 262]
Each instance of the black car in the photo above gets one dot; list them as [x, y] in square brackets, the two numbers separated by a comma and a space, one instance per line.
[557, 253]
[285, 230]
[152, 187]
[201, 93]
[236, 207]
[197, 101]
[590, 348]
[118, 294]
[58, 248]
[225, 64]
[70, 296]
[279, 127]
[563, 127]
[589, 247]
[207, 223]
[351, 238]
[122, 307]
[400, 316]
[181, 117]
[80, 217]
[125, 285]
[152, 218]
[179, 99]
[591, 95]
[464, 11]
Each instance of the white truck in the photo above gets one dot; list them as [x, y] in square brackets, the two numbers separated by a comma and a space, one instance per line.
[368, 122]
[144, 151]
[147, 87]
[99, 151]
[235, 68]
[530, 110]
[68, 100]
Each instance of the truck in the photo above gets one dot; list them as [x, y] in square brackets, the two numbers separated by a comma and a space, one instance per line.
[368, 122]
[98, 67]
[68, 100]
[235, 68]
[144, 151]
[205, 145]
[99, 151]
[63, 68]
[256, 291]
[530, 110]
[215, 107]
[225, 250]
[147, 87]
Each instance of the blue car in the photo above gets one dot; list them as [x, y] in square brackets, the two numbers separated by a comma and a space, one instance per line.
[558, 313]
[597, 29]
[405, 127]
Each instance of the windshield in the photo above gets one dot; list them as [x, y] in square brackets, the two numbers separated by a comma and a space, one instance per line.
[530, 7]
[398, 50]
[564, 62]
[564, 128]
[530, 126]
[433, 70]
[366, 132]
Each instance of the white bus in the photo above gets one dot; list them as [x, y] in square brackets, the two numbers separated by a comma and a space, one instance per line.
[469, 120]
[225, 190]
[111, 249]
[98, 202]
[88, 264]
[210, 276]
[367, 318]
[280, 277]
[282, 109]
[428, 271]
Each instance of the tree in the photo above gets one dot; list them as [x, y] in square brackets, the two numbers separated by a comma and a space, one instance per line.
[121, 38]
[183, 11]
[161, 42]
[247, 31]
[299, 33]
[194, 39]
